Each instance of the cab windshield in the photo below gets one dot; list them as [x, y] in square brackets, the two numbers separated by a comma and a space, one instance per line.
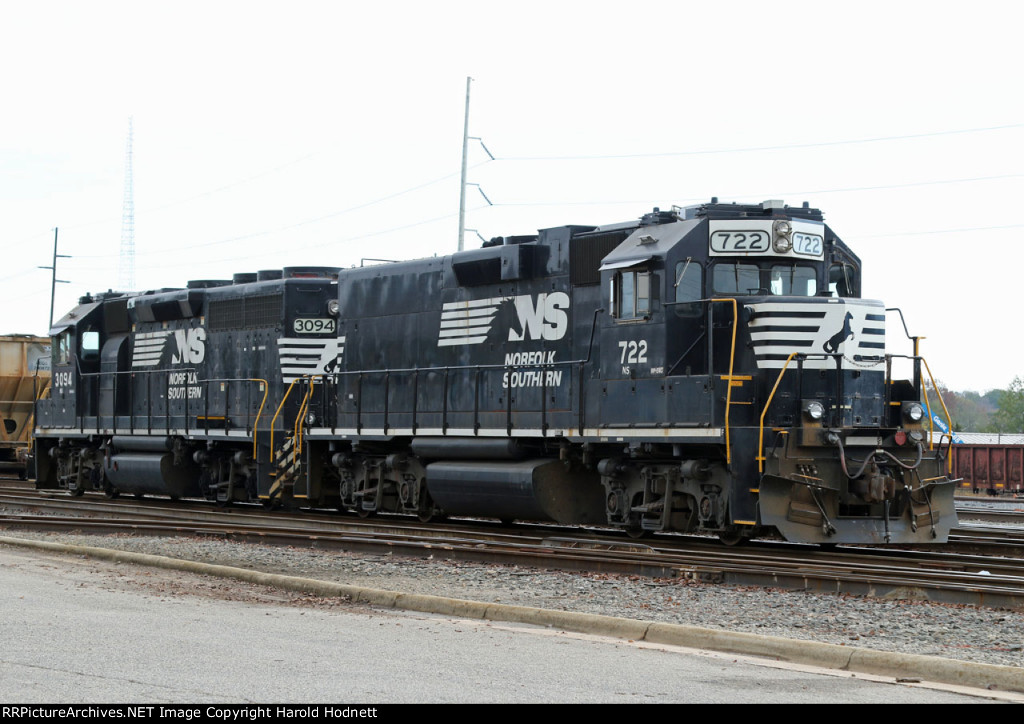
[775, 279]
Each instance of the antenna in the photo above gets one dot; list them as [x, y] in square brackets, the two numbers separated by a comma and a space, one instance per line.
[126, 265]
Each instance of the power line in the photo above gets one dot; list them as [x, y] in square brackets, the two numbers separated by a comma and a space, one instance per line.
[939, 231]
[749, 149]
[775, 194]
[207, 244]
[299, 249]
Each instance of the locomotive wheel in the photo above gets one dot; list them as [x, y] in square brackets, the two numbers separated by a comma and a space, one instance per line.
[364, 513]
[111, 492]
[732, 538]
[139, 496]
[635, 531]
[76, 493]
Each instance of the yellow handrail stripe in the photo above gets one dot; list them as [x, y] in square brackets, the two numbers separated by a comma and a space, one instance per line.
[280, 407]
[256, 427]
[760, 435]
[728, 393]
[949, 419]
[297, 435]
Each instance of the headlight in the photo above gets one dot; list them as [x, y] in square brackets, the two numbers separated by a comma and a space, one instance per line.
[781, 242]
[814, 410]
[914, 412]
[332, 307]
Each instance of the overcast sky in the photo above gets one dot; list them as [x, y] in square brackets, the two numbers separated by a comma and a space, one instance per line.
[280, 134]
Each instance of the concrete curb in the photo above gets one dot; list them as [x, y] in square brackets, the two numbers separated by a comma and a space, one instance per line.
[831, 656]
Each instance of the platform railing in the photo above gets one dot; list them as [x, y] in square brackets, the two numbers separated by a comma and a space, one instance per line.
[800, 357]
[197, 405]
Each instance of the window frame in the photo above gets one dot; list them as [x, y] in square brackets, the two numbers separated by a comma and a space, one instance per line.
[641, 285]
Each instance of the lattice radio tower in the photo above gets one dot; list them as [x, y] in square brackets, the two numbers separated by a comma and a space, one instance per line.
[126, 265]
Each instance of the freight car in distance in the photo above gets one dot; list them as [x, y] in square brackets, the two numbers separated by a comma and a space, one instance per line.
[24, 375]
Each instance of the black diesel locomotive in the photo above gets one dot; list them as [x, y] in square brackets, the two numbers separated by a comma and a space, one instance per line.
[711, 368]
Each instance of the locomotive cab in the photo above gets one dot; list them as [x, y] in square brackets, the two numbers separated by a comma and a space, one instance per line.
[89, 340]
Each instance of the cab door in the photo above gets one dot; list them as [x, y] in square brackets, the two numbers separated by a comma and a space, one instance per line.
[632, 347]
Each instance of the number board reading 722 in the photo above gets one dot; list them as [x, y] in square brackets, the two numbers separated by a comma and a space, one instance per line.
[807, 244]
[314, 326]
[751, 241]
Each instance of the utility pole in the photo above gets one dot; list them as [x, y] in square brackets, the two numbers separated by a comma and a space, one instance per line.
[126, 266]
[462, 186]
[53, 277]
[466, 138]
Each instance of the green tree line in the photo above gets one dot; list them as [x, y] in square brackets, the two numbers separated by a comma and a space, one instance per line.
[999, 411]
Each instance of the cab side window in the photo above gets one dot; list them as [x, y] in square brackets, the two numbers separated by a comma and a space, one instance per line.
[631, 294]
[842, 281]
[688, 289]
[62, 350]
[90, 345]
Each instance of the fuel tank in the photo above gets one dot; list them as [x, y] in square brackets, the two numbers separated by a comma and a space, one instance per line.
[538, 489]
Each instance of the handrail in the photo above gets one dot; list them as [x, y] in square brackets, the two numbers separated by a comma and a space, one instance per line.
[760, 435]
[147, 376]
[728, 388]
[931, 420]
[302, 412]
[760, 443]
[259, 412]
[280, 406]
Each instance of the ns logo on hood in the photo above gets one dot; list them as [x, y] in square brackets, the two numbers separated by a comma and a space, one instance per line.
[544, 316]
[189, 347]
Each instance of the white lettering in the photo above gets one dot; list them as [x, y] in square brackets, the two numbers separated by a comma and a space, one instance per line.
[191, 345]
[538, 378]
[523, 359]
[544, 320]
[183, 386]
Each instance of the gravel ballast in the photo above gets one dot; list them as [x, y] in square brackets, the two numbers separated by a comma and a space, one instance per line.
[965, 633]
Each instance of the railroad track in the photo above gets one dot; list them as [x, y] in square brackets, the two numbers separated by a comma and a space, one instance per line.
[934, 574]
[992, 515]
